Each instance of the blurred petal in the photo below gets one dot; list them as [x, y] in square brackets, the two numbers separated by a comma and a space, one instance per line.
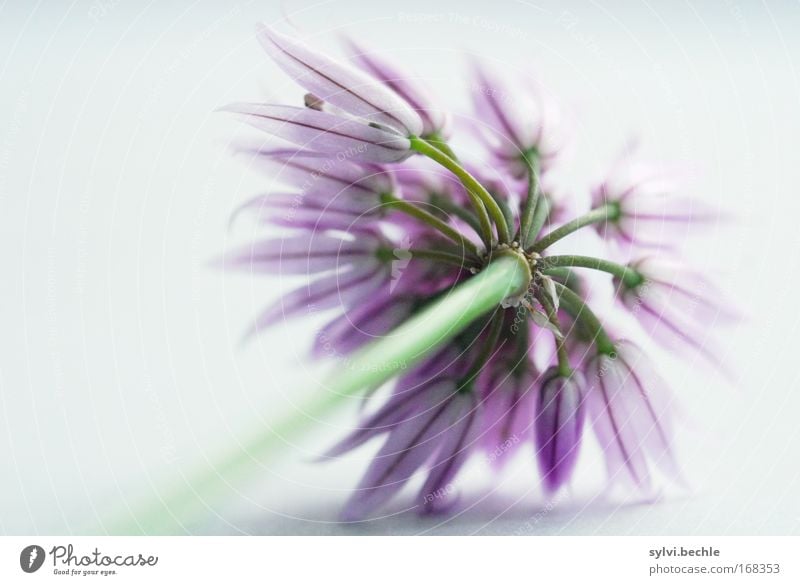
[325, 132]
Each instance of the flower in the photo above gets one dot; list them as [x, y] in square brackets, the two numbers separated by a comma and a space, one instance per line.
[516, 118]
[677, 306]
[559, 426]
[437, 277]
[631, 412]
[347, 88]
[359, 270]
[646, 211]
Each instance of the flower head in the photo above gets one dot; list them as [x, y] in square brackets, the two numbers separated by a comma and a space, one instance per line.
[516, 118]
[440, 274]
[676, 305]
[646, 207]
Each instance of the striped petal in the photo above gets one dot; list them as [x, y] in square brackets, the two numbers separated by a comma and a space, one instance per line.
[434, 120]
[302, 254]
[406, 450]
[336, 290]
[559, 426]
[323, 132]
[339, 84]
[438, 492]
[630, 411]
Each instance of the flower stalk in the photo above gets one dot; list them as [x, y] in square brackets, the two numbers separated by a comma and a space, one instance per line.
[629, 276]
[484, 203]
[417, 212]
[607, 212]
[580, 310]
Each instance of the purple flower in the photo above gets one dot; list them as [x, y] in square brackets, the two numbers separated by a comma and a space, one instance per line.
[677, 306]
[516, 118]
[360, 270]
[340, 84]
[631, 412]
[435, 120]
[647, 211]
[559, 426]
[414, 259]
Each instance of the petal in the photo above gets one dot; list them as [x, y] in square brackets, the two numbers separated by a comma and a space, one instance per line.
[302, 254]
[314, 172]
[559, 426]
[436, 493]
[508, 413]
[325, 133]
[357, 327]
[434, 120]
[336, 290]
[407, 449]
[342, 85]
[613, 423]
[311, 213]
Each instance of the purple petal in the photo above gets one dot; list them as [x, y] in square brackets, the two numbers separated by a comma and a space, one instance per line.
[630, 412]
[316, 173]
[434, 120]
[559, 426]
[339, 84]
[407, 449]
[311, 213]
[302, 254]
[336, 290]
[436, 494]
[326, 133]
[509, 412]
[357, 327]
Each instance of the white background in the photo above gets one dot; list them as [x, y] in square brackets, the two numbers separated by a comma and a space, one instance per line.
[120, 355]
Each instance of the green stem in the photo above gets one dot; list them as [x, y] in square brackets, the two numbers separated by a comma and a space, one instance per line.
[417, 212]
[580, 310]
[194, 497]
[532, 199]
[481, 199]
[561, 350]
[629, 276]
[439, 255]
[437, 141]
[448, 206]
[607, 212]
[539, 218]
